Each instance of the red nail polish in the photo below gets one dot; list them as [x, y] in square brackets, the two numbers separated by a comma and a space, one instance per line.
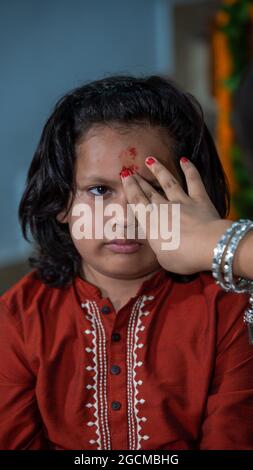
[184, 160]
[125, 172]
[150, 161]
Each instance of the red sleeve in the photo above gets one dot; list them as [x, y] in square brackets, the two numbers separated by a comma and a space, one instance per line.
[228, 420]
[20, 421]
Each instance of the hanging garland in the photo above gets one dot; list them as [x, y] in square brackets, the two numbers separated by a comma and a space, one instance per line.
[231, 57]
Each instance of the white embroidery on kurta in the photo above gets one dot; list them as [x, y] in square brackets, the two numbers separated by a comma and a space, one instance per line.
[100, 378]
[133, 344]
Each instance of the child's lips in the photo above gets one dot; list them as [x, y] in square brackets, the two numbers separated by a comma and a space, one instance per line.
[124, 246]
[122, 241]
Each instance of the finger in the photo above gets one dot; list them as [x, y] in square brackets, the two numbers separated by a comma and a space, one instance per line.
[133, 191]
[170, 185]
[151, 193]
[136, 196]
[195, 185]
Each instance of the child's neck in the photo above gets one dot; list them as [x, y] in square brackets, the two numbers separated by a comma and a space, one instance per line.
[119, 291]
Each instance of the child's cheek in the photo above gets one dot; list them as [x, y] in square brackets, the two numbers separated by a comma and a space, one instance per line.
[80, 195]
[83, 220]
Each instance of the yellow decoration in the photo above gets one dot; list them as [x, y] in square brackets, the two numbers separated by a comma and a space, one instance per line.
[224, 133]
[222, 18]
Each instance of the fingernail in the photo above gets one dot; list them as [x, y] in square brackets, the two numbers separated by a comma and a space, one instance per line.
[150, 160]
[184, 160]
[124, 173]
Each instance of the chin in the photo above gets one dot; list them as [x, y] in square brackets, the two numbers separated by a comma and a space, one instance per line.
[125, 270]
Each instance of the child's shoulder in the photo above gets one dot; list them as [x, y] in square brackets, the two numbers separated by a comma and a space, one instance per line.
[202, 283]
[226, 305]
[229, 306]
[29, 291]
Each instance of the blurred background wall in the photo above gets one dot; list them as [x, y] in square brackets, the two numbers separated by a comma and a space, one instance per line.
[52, 46]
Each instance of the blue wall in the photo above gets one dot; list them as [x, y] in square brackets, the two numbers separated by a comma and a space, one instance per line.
[50, 46]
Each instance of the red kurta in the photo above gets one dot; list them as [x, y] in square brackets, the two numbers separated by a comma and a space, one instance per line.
[173, 369]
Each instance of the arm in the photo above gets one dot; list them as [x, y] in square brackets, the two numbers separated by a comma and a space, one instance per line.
[228, 418]
[243, 259]
[21, 426]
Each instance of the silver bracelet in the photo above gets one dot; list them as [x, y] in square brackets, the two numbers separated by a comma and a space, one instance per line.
[243, 285]
[227, 245]
[219, 251]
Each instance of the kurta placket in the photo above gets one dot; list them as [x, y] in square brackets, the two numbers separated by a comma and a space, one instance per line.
[114, 348]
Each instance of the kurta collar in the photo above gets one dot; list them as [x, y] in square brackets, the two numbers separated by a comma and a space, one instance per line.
[150, 285]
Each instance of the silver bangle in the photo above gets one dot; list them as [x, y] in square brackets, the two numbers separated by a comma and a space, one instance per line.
[219, 252]
[243, 285]
[227, 245]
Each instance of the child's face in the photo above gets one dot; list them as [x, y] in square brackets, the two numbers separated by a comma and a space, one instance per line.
[101, 155]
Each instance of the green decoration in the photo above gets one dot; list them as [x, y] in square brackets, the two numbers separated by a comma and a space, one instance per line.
[236, 31]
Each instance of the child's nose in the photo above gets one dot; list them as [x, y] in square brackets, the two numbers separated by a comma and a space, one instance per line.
[125, 217]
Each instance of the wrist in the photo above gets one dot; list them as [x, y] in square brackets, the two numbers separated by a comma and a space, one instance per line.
[212, 233]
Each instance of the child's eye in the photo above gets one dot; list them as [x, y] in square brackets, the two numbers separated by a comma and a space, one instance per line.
[101, 191]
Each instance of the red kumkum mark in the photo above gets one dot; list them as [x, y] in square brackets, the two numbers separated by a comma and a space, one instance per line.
[133, 152]
[133, 168]
[129, 152]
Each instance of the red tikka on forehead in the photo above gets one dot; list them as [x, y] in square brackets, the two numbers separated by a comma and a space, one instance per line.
[131, 153]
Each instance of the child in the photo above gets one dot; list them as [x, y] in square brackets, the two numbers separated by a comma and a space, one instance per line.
[102, 347]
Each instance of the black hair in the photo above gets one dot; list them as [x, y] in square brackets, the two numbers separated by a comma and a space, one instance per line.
[115, 100]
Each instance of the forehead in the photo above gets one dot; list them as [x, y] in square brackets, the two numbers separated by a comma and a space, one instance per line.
[105, 150]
